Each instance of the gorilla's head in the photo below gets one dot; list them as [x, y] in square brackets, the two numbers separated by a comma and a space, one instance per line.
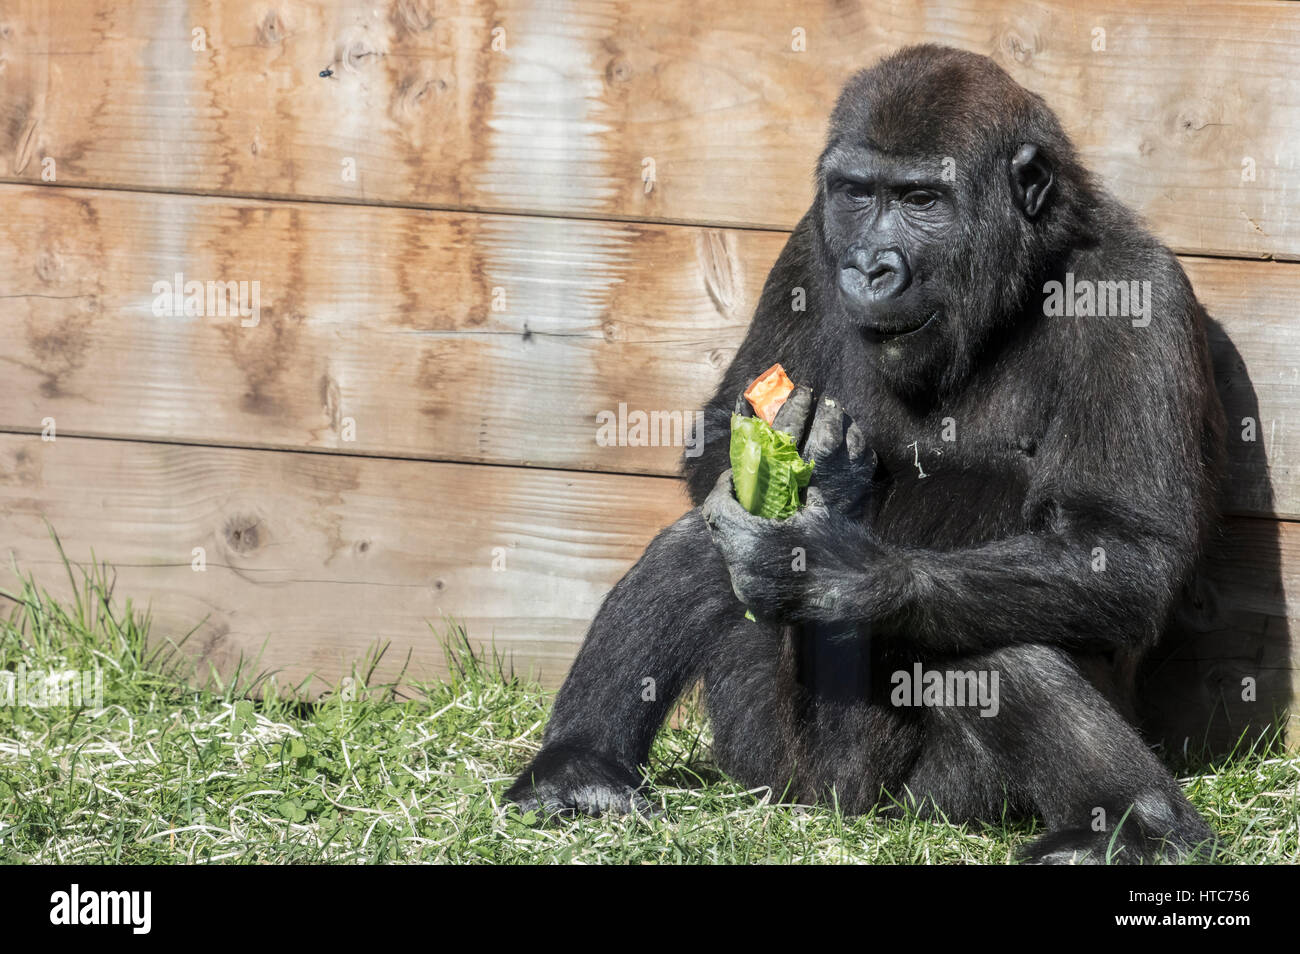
[945, 193]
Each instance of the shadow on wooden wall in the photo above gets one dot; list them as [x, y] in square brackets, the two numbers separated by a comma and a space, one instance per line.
[1223, 672]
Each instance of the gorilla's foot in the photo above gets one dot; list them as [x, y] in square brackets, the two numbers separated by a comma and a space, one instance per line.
[569, 781]
[1128, 846]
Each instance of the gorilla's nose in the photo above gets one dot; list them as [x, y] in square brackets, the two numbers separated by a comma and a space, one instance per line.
[882, 273]
[886, 272]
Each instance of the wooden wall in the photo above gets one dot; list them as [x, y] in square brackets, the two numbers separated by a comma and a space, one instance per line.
[460, 265]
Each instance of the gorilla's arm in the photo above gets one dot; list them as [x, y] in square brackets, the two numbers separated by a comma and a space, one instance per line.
[648, 643]
[1120, 524]
[1034, 587]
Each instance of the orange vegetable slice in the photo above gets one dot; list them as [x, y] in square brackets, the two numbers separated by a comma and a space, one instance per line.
[768, 392]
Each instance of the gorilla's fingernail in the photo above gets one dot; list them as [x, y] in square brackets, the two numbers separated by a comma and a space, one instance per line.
[856, 441]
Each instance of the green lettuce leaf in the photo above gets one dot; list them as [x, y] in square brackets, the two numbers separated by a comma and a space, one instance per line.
[767, 472]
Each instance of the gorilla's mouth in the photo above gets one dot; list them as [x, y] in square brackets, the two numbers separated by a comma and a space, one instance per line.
[885, 331]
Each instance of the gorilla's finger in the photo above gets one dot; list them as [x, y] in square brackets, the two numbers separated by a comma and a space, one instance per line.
[793, 416]
[722, 485]
[855, 442]
[718, 499]
[743, 407]
[723, 512]
[826, 435]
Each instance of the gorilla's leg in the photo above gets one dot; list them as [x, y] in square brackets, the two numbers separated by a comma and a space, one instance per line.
[1057, 748]
[648, 643]
[782, 717]
[757, 707]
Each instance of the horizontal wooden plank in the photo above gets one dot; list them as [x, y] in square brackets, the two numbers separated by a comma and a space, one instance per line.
[385, 318]
[382, 316]
[555, 106]
[1255, 344]
[312, 559]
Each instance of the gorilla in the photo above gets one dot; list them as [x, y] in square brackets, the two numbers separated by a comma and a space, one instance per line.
[1007, 393]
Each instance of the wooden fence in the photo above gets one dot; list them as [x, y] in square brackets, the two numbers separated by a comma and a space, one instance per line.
[459, 265]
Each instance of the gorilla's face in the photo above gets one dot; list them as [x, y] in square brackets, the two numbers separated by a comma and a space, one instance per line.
[884, 223]
[926, 266]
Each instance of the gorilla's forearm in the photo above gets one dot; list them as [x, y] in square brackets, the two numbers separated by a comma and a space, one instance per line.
[1036, 587]
[622, 684]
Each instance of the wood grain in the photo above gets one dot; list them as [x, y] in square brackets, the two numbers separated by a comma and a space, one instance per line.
[385, 318]
[314, 559]
[562, 118]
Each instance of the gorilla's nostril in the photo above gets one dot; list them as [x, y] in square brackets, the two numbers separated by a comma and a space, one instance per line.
[858, 258]
[877, 272]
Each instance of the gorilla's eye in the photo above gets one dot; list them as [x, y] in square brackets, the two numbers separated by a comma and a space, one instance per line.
[857, 191]
[919, 199]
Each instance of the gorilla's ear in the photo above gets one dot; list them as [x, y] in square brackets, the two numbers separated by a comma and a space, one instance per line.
[1031, 179]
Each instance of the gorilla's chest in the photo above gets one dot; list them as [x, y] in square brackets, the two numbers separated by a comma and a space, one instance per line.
[956, 473]
[944, 484]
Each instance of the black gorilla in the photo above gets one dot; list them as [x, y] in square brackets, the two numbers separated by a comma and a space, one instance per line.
[1017, 448]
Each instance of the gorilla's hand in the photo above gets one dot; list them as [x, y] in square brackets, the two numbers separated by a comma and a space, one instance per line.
[812, 566]
[843, 463]
[809, 565]
[567, 781]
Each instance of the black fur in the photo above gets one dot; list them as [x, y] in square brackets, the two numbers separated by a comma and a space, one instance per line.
[925, 314]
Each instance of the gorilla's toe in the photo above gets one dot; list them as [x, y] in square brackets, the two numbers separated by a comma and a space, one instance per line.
[1083, 846]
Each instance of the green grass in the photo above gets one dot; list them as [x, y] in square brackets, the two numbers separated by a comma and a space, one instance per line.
[166, 773]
